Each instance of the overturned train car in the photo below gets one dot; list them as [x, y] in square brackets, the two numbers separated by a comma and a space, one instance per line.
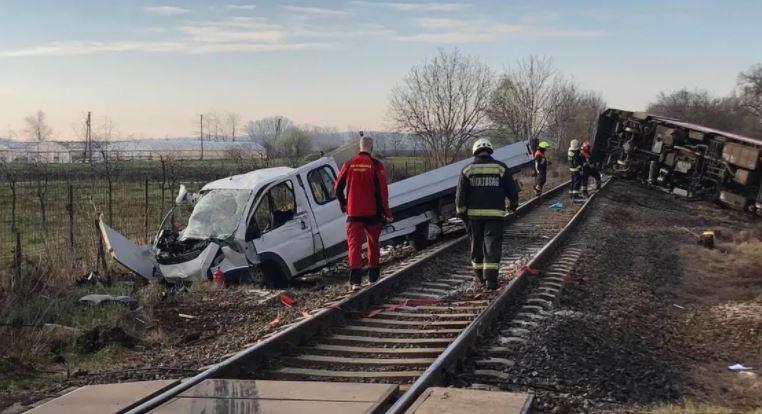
[682, 158]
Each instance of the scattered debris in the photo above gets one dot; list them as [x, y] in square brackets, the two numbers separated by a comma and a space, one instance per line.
[287, 300]
[678, 306]
[97, 299]
[739, 367]
[185, 316]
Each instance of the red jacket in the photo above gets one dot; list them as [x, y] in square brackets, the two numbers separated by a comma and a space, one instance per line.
[367, 192]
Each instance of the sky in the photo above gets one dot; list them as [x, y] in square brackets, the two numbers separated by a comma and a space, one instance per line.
[152, 67]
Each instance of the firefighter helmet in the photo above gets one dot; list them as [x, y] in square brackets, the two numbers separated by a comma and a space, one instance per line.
[482, 144]
[544, 145]
[574, 145]
[586, 146]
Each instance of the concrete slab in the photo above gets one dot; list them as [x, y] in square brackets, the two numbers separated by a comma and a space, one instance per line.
[280, 397]
[103, 398]
[437, 400]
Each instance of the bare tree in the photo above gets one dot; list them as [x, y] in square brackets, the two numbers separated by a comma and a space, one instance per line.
[701, 107]
[266, 132]
[750, 88]
[294, 145]
[524, 99]
[443, 102]
[215, 129]
[37, 127]
[233, 122]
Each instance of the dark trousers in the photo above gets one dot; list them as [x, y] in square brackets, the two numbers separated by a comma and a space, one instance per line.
[588, 172]
[576, 184]
[539, 182]
[486, 249]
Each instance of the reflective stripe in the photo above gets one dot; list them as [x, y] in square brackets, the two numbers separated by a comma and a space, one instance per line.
[460, 210]
[574, 169]
[476, 265]
[573, 191]
[484, 169]
[485, 212]
[491, 266]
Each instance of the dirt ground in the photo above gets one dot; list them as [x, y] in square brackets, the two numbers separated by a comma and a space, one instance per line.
[661, 318]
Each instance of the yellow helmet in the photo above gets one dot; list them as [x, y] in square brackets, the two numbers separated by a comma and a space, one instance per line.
[543, 145]
[482, 144]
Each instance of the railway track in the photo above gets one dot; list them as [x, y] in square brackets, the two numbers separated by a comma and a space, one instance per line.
[412, 326]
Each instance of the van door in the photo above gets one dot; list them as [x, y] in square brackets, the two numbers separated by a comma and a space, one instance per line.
[283, 226]
[319, 177]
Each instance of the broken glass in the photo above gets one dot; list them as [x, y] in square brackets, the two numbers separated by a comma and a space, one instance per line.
[216, 214]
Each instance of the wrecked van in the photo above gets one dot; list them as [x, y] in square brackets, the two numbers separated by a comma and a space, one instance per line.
[272, 224]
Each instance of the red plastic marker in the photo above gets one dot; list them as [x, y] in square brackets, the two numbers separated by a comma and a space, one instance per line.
[287, 300]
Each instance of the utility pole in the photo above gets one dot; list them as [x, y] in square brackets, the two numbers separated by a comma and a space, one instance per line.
[201, 137]
[88, 155]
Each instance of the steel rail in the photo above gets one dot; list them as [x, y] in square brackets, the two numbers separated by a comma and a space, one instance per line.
[458, 348]
[248, 359]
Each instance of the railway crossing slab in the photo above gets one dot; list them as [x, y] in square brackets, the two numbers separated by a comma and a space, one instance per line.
[223, 396]
[104, 398]
[436, 400]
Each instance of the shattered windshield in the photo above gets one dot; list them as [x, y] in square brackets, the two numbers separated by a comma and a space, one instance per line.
[216, 214]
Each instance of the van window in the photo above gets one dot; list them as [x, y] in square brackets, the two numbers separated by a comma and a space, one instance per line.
[321, 182]
[277, 207]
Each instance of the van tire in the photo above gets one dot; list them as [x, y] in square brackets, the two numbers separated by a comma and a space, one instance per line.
[273, 277]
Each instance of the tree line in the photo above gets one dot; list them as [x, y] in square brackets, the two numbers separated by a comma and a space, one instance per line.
[740, 111]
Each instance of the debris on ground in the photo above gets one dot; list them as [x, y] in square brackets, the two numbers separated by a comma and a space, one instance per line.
[96, 299]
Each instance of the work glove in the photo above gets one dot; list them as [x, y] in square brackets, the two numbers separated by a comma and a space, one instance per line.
[343, 208]
[512, 207]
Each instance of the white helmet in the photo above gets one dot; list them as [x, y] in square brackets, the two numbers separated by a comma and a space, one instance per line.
[574, 145]
[482, 144]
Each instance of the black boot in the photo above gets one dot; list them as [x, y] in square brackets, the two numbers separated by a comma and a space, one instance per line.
[355, 278]
[373, 274]
[479, 276]
[491, 276]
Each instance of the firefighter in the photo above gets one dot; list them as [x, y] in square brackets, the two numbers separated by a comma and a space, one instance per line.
[367, 207]
[540, 167]
[588, 170]
[480, 202]
[575, 169]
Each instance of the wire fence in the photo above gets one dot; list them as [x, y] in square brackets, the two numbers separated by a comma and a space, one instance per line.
[50, 216]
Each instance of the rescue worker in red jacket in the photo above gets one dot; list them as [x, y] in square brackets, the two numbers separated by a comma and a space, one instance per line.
[588, 169]
[480, 202]
[367, 207]
[540, 167]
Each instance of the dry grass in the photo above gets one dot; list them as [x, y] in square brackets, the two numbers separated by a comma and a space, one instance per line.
[688, 407]
[721, 293]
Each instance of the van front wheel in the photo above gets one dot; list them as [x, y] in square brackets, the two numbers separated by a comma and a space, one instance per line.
[273, 277]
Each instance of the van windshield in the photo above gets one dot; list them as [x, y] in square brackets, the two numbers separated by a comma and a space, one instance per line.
[216, 214]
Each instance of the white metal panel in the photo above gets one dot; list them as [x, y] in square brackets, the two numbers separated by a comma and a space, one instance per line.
[139, 259]
[446, 178]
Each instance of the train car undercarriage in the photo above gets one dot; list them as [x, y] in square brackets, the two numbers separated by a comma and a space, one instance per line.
[681, 158]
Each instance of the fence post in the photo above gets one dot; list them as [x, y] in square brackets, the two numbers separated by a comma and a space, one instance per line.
[17, 260]
[70, 208]
[145, 210]
[110, 204]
